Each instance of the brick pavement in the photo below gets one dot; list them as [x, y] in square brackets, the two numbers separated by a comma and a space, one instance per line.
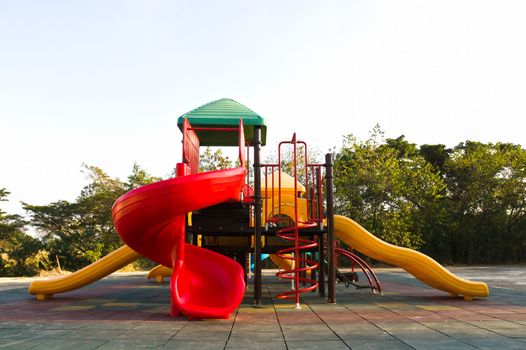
[129, 312]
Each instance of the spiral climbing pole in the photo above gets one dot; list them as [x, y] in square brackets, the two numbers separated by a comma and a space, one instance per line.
[301, 264]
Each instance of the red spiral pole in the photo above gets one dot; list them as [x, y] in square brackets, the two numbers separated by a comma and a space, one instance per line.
[292, 234]
[300, 264]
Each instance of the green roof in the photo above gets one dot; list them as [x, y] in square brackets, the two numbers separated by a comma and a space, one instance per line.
[224, 113]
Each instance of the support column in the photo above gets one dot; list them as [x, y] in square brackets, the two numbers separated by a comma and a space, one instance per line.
[330, 229]
[321, 236]
[313, 256]
[257, 216]
[321, 267]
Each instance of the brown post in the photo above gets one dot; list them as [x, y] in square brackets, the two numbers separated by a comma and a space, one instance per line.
[321, 267]
[257, 216]
[330, 229]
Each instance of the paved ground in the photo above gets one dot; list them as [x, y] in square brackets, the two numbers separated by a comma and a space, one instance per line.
[129, 312]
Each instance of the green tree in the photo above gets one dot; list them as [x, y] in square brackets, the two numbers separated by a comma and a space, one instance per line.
[214, 160]
[403, 149]
[139, 177]
[287, 161]
[82, 231]
[386, 186]
[487, 191]
[437, 155]
[20, 254]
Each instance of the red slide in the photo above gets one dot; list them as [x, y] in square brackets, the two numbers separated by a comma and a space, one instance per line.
[151, 220]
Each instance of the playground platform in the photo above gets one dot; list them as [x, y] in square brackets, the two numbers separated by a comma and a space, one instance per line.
[126, 311]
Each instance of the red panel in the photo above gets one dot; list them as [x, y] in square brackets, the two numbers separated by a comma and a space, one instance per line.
[190, 147]
[241, 143]
[248, 194]
[182, 169]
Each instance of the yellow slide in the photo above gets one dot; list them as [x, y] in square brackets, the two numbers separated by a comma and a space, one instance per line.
[419, 265]
[159, 272]
[89, 274]
[282, 263]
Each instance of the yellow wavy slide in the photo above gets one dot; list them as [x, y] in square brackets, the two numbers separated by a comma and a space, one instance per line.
[419, 265]
[89, 274]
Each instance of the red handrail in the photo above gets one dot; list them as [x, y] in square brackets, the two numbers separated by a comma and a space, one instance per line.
[367, 270]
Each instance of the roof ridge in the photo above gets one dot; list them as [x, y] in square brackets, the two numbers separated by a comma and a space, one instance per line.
[224, 112]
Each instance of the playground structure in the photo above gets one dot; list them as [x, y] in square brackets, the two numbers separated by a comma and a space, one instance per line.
[201, 227]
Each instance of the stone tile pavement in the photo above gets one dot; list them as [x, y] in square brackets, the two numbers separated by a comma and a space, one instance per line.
[126, 311]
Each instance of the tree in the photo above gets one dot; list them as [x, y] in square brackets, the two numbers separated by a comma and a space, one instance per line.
[487, 191]
[287, 161]
[82, 231]
[386, 186]
[139, 177]
[20, 254]
[401, 146]
[437, 155]
[209, 161]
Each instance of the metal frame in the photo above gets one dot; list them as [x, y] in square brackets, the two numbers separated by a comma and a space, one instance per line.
[257, 217]
[314, 233]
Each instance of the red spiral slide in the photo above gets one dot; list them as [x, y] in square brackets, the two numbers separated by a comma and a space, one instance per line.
[151, 220]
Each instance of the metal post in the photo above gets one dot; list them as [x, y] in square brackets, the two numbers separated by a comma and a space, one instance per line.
[321, 267]
[321, 236]
[303, 274]
[257, 216]
[313, 273]
[246, 264]
[330, 230]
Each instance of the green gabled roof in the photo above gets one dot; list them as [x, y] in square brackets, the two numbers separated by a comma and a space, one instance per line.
[224, 113]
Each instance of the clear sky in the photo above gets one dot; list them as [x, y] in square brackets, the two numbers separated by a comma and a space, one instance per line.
[103, 82]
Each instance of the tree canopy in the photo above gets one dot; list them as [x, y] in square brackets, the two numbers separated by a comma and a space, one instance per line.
[460, 205]
[465, 204]
[386, 186]
[82, 231]
[20, 254]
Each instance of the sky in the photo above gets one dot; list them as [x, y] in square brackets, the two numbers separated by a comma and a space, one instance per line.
[103, 82]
